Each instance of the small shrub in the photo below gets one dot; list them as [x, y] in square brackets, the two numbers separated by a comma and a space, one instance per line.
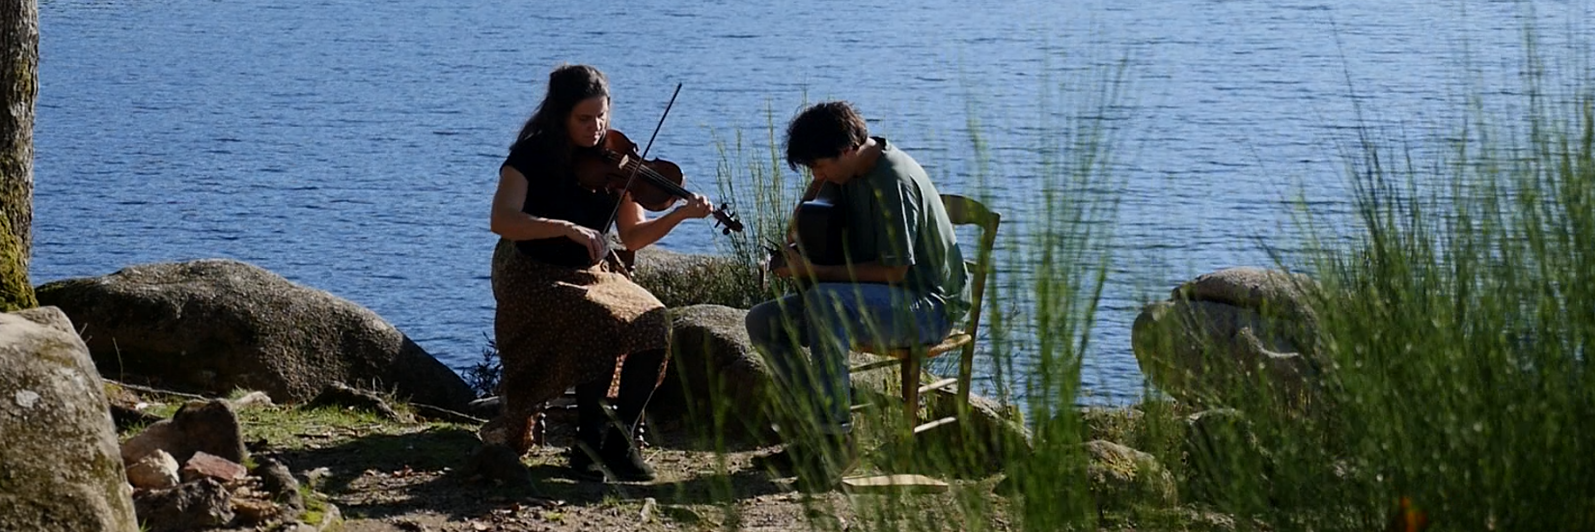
[483, 376]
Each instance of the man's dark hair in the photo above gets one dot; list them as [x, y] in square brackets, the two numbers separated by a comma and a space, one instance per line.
[823, 130]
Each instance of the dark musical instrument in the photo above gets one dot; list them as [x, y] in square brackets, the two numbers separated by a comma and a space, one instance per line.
[656, 186]
[615, 165]
[819, 224]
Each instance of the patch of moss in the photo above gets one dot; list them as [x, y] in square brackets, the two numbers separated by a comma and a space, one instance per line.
[315, 505]
[16, 292]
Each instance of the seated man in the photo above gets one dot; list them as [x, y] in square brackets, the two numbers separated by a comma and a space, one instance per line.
[904, 283]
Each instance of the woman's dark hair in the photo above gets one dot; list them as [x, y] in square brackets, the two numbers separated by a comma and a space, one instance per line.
[568, 85]
[823, 130]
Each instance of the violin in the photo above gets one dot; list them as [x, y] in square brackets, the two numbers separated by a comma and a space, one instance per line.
[655, 184]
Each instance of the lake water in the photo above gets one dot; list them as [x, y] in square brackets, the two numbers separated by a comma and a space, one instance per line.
[353, 146]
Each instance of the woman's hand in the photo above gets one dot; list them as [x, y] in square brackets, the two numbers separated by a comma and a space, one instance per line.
[697, 207]
[589, 237]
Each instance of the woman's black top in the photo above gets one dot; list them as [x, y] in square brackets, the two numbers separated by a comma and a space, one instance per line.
[553, 192]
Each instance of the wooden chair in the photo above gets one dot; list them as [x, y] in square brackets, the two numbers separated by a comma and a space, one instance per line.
[962, 211]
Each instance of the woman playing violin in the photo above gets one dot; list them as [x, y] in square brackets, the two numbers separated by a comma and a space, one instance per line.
[567, 312]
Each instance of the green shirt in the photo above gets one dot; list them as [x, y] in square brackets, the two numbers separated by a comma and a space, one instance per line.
[896, 218]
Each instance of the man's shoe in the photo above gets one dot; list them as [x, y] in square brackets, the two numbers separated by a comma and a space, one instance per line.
[822, 467]
[778, 464]
[820, 477]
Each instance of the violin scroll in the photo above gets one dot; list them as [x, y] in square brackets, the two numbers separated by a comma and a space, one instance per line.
[727, 219]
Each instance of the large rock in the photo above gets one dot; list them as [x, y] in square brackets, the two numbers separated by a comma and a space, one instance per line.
[211, 326]
[714, 371]
[1224, 333]
[59, 465]
[684, 279]
[719, 384]
[1121, 477]
[1272, 293]
[208, 427]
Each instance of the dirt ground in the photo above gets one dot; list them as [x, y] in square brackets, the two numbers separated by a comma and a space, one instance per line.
[380, 474]
[408, 478]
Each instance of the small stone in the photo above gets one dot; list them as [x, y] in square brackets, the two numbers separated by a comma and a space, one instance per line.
[157, 470]
[280, 486]
[212, 427]
[27, 398]
[253, 511]
[649, 507]
[314, 477]
[192, 506]
[204, 465]
[340, 395]
[160, 436]
[251, 399]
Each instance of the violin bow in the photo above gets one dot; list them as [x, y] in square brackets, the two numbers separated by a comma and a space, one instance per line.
[642, 157]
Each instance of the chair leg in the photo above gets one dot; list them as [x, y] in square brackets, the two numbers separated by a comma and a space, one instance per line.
[911, 389]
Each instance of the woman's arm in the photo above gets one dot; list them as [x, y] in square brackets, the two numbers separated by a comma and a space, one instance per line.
[509, 222]
[637, 231]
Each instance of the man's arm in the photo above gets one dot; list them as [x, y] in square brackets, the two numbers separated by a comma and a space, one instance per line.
[896, 232]
[868, 272]
[799, 267]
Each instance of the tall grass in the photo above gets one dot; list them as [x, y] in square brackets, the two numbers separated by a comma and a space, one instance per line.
[1039, 309]
[1065, 252]
[1456, 325]
[765, 194]
[1460, 329]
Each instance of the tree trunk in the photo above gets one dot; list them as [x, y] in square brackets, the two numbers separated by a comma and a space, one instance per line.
[19, 89]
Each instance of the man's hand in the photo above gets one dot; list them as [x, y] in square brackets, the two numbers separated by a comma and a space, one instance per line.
[796, 267]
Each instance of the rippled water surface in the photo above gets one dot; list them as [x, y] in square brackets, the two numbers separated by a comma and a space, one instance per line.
[353, 146]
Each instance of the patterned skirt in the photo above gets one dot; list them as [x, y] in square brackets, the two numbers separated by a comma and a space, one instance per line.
[557, 327]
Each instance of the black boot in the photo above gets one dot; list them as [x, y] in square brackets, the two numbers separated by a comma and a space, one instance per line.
[623, 458]
[620, 453]
[590, 423]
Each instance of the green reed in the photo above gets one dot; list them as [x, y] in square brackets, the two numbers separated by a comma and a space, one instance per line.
[1455, 324]
[1040, 306]
[1460, 327]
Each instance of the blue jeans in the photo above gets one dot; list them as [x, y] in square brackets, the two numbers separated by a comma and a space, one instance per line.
[830, 318]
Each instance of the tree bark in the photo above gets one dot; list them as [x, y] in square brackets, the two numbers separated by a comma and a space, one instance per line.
[19, 89]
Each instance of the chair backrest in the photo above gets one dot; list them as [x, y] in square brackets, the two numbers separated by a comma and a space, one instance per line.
[966, 211]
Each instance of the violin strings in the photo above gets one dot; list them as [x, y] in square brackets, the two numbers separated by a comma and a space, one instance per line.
[659, 180]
